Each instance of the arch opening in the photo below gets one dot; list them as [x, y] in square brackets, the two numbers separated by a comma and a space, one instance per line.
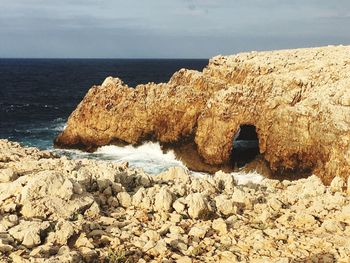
[245, 146]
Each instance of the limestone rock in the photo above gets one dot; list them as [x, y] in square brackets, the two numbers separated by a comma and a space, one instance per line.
[198, 231]
[198, 206]
[224, 181]
[297, 100]
[51, 194]
[220, 226]
[207, 218]
[63, 231]
[225, 205]
[180, 205]
[124, 199]
[163, 200]
[7, 175]
[29, 232]
[337, 184]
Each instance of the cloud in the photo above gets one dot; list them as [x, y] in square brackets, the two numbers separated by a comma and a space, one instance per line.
[167, 28]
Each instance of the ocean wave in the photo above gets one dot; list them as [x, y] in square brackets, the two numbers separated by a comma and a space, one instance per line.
[152, 159]
[58, 124]
[148, 156]
[12, 106]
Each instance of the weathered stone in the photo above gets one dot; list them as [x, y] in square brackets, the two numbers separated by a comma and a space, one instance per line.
[7, 175]
[124, 199]
[289, 220]
[224, 181]
[83, 241]
[51, 194]
[5, 248]
[337, 184]
[28, 233]
[198, 206]
[163, 200]
[198, 231]
[63, 231]
[220, 226]
[184, 260]
[227, 257]
[180, 205]
[225, 206]
[302, 219]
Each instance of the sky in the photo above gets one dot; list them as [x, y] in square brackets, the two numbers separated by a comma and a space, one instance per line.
[167, 28]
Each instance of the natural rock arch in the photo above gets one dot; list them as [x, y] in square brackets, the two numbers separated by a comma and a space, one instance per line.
[298, 100]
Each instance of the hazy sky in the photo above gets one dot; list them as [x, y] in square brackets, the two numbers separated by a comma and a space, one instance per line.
[167, 28]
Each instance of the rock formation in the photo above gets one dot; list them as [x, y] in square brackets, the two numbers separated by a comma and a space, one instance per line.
[54, 209]
[298, 100]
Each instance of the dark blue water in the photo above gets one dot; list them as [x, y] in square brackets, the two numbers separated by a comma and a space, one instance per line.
[37, 95]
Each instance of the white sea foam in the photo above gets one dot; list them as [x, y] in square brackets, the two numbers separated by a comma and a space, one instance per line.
[152, 159]
[148, 156]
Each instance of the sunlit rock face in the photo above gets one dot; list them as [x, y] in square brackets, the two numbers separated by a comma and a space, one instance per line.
[298, 101]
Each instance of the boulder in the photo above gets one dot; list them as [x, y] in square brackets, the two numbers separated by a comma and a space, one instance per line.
[50, 194]
[29, 233]
[198, 207]
[163, 200]
[7, 175]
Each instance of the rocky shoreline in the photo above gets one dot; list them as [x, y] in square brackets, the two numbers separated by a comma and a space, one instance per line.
[296, 100]
[53, 209]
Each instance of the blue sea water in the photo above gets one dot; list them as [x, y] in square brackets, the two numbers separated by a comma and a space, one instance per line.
[37, 95]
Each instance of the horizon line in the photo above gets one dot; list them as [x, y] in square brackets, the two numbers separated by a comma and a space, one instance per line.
[57, 58]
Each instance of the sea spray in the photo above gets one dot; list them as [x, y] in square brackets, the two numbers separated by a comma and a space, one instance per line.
[151, 158]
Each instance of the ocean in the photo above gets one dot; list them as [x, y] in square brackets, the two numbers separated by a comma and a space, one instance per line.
[38, 95]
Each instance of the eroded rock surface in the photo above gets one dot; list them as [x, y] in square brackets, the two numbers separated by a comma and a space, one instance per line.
[298, 100]
[61, 210]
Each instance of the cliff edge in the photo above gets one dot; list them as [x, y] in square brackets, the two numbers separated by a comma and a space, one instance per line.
[298, 101]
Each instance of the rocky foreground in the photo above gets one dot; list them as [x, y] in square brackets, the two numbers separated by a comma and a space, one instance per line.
[59, 210]
[297, 99]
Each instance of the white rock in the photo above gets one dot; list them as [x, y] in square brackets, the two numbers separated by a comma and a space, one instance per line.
[50, 194]
[240, 196]
[332, 226]
[180, 205]
[124, 199]
[174, 174]
[163, 200]
[345, 214]
[198, 231]
[225, 206]
[63, 231]
[302, 219]
[337, 184]
[227, 257]
[184, 260]
[176, 230]
[197, 206]
[274, 203]
[312, 186]
[7, 175]
[28, 233]
[224, 181]
[220, 226]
